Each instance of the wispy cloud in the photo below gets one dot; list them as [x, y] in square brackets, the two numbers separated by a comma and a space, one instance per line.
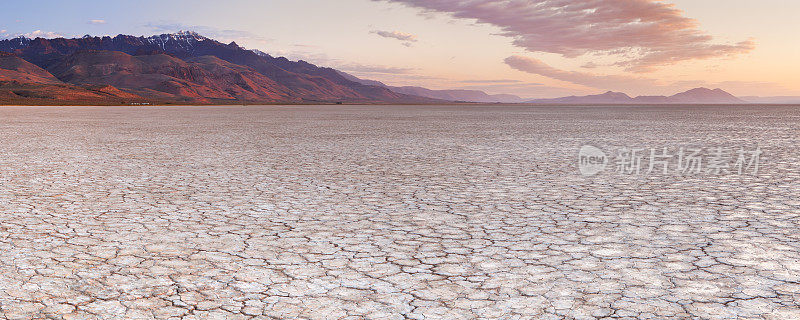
[527, 90]
[407, 38]
[360, 68]
[41, 34]
[645, 34]
[536, 66]
[491, 81]
[96, 21]
[402, 36]
[224, 35]
[322, 59]
[589, 65]
[506, 87]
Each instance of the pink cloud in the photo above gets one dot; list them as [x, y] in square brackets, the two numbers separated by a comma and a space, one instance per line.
[42, 34]
[407, 38]
[606, 82]
[645, 33]
[402, 36]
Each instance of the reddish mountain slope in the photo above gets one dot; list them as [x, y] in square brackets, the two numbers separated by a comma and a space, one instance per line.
[240, 82]
[22, 82]
[13, 68]
[17, 93]
[160, 76]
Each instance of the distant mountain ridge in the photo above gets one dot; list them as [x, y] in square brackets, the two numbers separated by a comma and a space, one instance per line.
[457, 95]
[693, 96]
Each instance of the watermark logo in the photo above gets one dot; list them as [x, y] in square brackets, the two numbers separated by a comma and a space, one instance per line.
[592, 160]
[681, 161]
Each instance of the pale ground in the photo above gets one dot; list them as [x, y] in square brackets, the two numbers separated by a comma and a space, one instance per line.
[390, 213]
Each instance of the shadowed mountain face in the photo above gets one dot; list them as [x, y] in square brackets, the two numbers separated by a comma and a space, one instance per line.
[167, 77]
[182, 67]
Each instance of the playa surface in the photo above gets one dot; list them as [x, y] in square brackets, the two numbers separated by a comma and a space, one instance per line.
[392, 212]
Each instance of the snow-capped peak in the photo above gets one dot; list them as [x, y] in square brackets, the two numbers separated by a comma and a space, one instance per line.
[261, 53]
[183, 39]
[188, 34]
[183, 36]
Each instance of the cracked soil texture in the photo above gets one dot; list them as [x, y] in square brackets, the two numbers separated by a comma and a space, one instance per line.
[391, 212]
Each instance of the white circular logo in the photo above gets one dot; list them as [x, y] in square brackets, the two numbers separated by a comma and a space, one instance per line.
[591, 160]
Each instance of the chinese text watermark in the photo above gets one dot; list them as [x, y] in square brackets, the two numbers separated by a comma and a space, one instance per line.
[665, 160]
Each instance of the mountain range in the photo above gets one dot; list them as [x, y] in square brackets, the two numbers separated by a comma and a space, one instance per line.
[171, 68]
[694, 96]
[187, 68]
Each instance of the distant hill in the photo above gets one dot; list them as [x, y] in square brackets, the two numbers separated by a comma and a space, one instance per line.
[704, 95]
[605, 98]
[694, 96]
[182, 67]
[448, 95]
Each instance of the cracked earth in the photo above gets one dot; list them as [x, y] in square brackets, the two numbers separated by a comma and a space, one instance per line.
[345, 212]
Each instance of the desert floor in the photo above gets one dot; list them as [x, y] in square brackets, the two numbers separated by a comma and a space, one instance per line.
[381, 212]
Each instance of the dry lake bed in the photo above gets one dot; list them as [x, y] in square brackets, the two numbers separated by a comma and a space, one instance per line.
[399, 212]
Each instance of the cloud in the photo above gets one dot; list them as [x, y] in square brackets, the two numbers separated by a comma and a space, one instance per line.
[322, 59]
[360, 68]
[605, 82]
[401, 79]
[498, 87]
[491, 81]
[41, 34]
[589, 65]
[529, 91]
[96, 21]
[224, 35]
[406, 37]
[644, 33]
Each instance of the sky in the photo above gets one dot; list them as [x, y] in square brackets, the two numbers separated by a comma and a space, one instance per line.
[530, 48]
